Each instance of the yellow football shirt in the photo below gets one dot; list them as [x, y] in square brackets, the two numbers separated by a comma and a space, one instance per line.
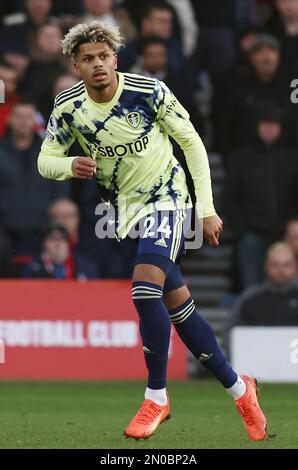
[128, 138]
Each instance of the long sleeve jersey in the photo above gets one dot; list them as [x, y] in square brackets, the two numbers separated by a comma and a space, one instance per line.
[128, 138]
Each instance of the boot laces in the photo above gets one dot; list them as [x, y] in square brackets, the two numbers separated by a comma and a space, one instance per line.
[247, 410]
[147, 413]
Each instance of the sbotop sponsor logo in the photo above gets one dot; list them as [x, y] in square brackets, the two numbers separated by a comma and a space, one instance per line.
[2, 92]
[166, 226]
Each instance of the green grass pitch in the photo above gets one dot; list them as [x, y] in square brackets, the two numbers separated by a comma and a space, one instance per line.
[94, 414]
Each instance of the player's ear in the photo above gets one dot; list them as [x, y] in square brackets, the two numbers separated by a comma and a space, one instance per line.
[77, 68]
[116, 61]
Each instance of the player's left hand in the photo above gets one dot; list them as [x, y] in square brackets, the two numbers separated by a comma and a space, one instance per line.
[212, 227]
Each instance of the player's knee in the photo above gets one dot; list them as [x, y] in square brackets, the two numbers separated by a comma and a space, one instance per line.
[148, 273]
[180, 314]
[176, 297]
[144, 293]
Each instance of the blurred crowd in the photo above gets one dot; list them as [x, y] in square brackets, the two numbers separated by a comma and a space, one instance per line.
[231, 63]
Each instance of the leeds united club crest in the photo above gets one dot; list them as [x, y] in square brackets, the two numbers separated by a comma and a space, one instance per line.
[133, 119]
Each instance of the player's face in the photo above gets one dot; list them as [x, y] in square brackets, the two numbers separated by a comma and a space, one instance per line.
[97, 65]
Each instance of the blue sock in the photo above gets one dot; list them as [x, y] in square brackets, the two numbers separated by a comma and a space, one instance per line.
[199, 338]
[155, 329]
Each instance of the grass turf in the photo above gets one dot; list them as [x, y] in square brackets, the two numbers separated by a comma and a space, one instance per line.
[94, 414]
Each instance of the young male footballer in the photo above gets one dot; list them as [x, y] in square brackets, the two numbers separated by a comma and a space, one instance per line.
[123, 122]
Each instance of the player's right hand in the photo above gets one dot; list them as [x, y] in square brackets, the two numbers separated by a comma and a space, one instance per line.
[83, 168]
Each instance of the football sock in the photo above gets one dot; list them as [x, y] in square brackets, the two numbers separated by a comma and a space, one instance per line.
[238, 389]
[155, 330]
[199, 338]
[158, 396]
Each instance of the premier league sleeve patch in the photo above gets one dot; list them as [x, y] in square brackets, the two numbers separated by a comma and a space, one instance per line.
[50, 136]
[52, 124]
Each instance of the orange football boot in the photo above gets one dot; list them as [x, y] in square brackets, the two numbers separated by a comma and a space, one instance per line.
[248, 407]
[145, 422]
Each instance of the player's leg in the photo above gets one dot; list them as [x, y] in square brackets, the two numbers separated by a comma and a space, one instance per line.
[198, 336]
[155, 329]
[155, 326]
[152, 266]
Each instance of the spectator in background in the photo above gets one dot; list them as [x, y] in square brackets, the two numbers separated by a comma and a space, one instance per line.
[66, 213]
[254, 12]
[17, 57]
[47, 64]
[10, 79]
[57, 261]
[185, 24]
[291, 235]
[261, 194]
[157, 20]
[265, 83]
[46, 46]
[62, 83]
[21, 27]
[124, 21]
[285, 28]
[103, 10]
[99, 10]
[24, 195]
[275, 302]
[188, 25]
[153, 59]
[241, 69]
[216, 48]
[70, 69]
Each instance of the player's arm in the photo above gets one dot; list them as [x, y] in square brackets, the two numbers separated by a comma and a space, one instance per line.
[53, 161]
[175, 120]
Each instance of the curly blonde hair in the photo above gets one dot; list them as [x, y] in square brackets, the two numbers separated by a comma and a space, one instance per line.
[90, 32]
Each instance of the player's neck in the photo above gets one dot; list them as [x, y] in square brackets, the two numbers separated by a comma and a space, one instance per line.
[105, 95]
